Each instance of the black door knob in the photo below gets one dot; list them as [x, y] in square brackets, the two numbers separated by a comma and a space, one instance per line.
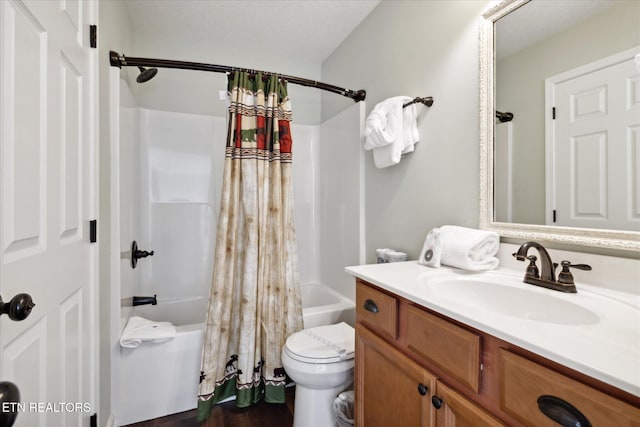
[9, 398]
[436, 402]
[422, 389]
[18, 308]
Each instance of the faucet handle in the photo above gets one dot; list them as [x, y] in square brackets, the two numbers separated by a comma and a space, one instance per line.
[585, 267]
[565, 276]
[532, 268]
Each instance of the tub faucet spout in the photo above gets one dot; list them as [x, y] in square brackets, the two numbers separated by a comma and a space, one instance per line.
[145, 300]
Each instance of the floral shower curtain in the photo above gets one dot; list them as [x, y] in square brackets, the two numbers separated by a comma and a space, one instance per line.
[254, 303]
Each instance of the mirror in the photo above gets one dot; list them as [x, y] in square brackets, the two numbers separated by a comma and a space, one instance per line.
[574, 178]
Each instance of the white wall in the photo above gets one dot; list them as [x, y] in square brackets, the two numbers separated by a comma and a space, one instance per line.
[114, 33]
[306, 142]
[327, 190]
[340, 213]
[417, 48]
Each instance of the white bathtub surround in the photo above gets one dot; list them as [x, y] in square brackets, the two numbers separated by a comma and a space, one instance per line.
[321, 305]
[255, 293]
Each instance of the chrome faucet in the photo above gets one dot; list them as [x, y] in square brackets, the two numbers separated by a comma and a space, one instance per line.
[547, 277]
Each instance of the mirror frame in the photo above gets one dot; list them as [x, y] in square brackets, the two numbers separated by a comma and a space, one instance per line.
[614, 239]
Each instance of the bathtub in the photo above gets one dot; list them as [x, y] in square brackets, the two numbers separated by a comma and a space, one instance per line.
[321, 305]
[162, 379]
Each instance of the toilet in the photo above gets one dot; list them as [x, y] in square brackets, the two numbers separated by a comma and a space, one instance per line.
[320, 361]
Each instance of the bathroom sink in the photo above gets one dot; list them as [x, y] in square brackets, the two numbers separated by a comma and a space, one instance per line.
[507, 295]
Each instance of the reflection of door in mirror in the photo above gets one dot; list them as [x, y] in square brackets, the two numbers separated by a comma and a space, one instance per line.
[502, 192]
[594, 145]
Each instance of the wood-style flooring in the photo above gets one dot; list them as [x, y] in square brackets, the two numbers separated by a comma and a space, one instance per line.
[228, 415]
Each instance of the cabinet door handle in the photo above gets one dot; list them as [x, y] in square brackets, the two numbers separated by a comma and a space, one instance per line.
[370, 305]
[562, 412]
[436, 402]
[422, 389]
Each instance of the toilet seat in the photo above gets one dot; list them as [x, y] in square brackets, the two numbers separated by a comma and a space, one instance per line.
[322, 344]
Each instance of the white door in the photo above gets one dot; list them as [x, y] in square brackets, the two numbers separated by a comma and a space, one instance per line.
[596, 152]
[47, 197]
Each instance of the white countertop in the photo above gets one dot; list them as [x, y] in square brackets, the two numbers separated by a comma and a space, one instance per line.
[607, 348]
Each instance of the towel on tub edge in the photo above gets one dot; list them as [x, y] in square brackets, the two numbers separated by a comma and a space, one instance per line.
[139, 329]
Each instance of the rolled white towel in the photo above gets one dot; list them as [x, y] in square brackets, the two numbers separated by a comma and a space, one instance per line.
[139, 329]
[431, 253]
[468, 248]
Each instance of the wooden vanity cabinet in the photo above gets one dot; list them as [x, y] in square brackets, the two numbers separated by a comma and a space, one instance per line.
[414, 367]
[392, 389]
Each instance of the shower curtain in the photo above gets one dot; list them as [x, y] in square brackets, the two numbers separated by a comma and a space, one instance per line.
[254, 303]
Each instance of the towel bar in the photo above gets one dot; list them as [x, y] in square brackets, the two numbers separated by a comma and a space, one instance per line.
[427, 100]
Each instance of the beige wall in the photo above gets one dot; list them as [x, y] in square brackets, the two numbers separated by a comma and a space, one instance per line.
[417, 48]
[520, 89]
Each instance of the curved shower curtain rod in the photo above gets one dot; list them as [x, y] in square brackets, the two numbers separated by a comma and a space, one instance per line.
[120, 61]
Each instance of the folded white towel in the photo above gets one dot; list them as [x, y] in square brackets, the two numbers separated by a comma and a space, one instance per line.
[468, 248]
[391, 131]
[431, 253]
[139, 329]
[410, 135]
[389, 255]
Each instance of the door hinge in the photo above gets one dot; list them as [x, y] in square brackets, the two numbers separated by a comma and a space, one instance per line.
[554, 215]
[93, 231]
[553, 113]
[93, 36]
[93, 420]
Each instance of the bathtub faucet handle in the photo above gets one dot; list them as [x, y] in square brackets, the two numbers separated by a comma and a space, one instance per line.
[137, 254]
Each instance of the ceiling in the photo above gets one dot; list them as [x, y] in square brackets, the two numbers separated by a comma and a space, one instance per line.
[541, 19]
[309, 30]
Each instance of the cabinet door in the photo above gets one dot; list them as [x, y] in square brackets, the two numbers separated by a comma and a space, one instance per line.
[391, 389]
[455, 410]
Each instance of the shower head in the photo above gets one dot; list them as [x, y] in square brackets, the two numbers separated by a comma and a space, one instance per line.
[146, 74]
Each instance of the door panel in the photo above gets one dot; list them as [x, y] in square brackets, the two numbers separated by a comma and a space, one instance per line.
[47, 190]
[595, 178]
[24, 88]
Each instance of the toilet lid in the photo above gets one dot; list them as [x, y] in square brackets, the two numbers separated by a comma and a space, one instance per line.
[322, 344]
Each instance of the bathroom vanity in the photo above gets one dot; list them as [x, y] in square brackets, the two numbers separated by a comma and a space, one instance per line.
[426, 358]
